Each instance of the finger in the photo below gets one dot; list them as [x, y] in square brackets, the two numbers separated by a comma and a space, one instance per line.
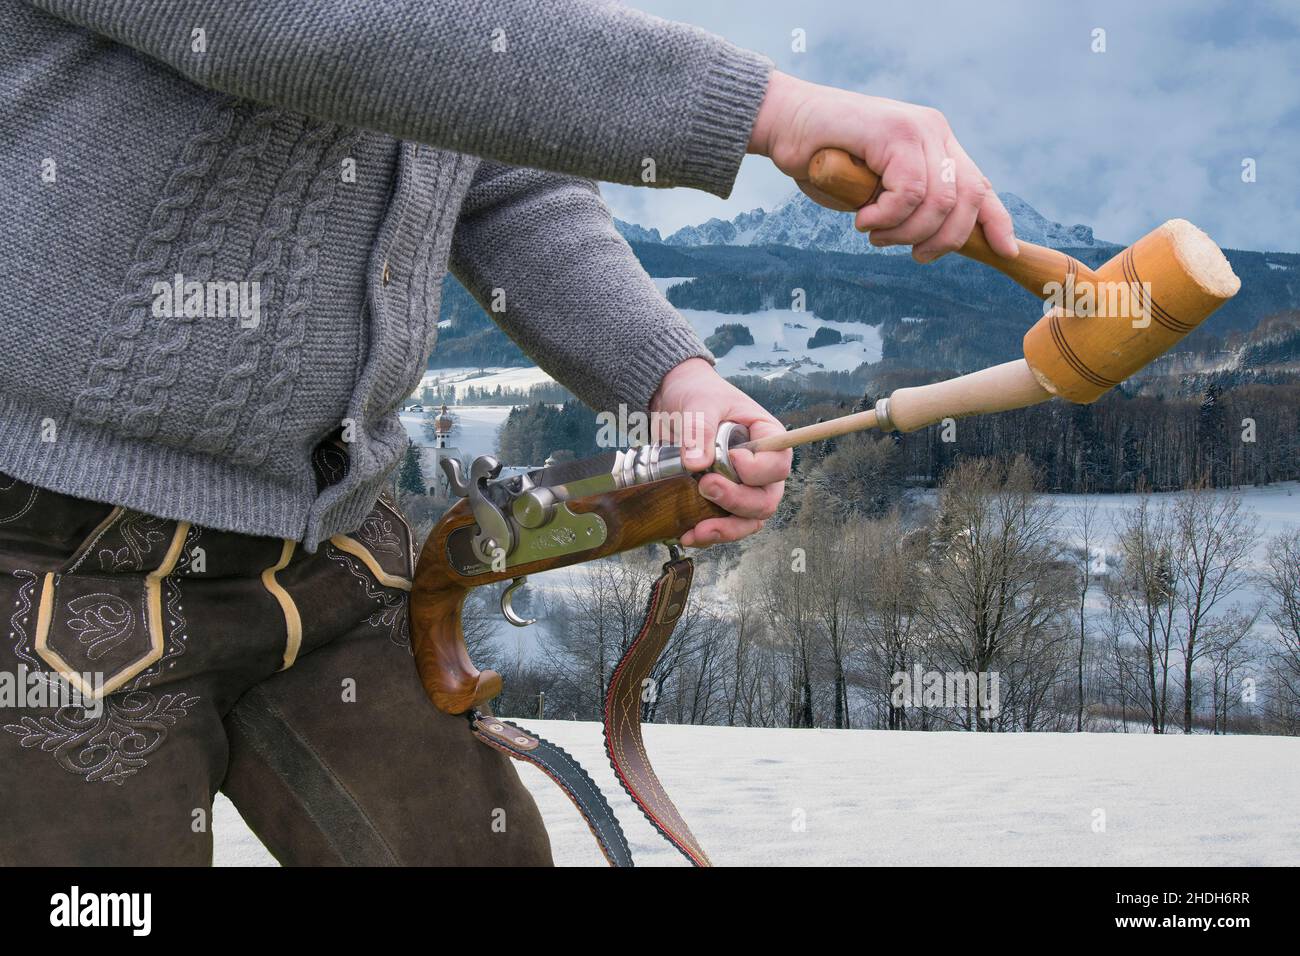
[956, 229]
[761, 468]
[903, 185]
[940, 200]
[699, 430]
[765, 467]
[742, 500]
[999, 228]
[716, 530]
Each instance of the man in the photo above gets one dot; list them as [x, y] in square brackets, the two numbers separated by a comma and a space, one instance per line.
[189, 525]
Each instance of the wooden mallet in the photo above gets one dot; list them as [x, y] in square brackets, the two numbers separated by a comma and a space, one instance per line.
[1109, 323]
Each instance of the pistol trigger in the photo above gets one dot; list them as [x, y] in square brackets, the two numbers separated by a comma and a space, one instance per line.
[507, 596]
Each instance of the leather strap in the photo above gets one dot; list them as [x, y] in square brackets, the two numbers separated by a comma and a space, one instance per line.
[623, 740]
[557, 764]
[623, 700]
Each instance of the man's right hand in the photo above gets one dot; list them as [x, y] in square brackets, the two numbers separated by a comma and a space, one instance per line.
[932, 194]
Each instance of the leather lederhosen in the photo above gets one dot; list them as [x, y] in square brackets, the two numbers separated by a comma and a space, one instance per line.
[211, 660]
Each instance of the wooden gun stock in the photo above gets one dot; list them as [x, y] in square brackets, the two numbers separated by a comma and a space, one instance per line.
[634, 516]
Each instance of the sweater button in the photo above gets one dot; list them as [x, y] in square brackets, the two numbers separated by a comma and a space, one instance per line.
[388, 274]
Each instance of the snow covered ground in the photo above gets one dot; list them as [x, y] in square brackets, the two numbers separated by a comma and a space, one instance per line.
[1276, 506]
[475, 432]
[785, 328]
[459, 379]
[788, 329]
[758, 797]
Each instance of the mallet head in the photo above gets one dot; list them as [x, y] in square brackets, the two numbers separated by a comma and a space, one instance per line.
[1144, 301]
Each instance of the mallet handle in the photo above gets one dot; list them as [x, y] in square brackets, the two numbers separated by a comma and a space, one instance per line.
[998, 389]
[847, 179]
[819, 431]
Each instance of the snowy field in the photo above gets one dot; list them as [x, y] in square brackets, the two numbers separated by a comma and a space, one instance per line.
[1276, 506]
[788, 329]
[459, 379]
[758, 797]
[475, 432]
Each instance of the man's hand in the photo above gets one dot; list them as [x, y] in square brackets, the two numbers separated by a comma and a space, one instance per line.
[932, 194]
[696, 395]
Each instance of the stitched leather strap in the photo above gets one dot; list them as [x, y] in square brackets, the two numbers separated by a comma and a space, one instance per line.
[557, 764]
[623, 740]
[623, 700]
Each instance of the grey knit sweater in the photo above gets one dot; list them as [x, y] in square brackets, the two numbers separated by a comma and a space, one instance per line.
[327, 161]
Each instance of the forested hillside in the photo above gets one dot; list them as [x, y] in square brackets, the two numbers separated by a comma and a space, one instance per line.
[953, 313]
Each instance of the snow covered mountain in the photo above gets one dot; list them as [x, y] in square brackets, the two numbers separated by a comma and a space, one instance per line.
[634, 233]
[801, 223]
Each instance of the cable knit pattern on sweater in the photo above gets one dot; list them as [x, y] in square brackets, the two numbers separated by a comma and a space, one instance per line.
[128, 314]
[291, 316]
[232, 393]
[337, 158]
[164, 361]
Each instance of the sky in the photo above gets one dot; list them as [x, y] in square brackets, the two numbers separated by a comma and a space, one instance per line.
[1154, 128]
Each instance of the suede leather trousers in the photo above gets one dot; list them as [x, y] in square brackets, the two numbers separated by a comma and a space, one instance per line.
[235, 663]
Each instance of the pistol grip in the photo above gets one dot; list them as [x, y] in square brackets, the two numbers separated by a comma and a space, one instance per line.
[450, 679]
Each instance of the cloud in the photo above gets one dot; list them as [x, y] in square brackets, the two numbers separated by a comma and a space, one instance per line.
[1155, 127]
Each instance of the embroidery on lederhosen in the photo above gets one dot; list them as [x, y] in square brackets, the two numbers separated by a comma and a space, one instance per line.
[13, 510]
[110, 622]
[114, 743]
[175, 625]
[125, 545]
[330, 464]
[21, 617]
[379, 557]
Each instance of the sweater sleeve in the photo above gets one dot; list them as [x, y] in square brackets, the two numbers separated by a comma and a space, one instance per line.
[586, 87]
[540, 252]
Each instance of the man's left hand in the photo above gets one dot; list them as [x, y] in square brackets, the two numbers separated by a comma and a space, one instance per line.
[695, 394]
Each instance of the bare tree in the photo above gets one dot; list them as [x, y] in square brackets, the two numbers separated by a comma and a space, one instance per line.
[1087, 537]
[886, 602]
[478, 623]
[1227, 650]
[860, 478]
[1281, 578]
[835, 575]
[1214, 534]
[602, 609]
[742, 683]
[995, 576]
[699, 664]
[1141, 595]
[789, 604]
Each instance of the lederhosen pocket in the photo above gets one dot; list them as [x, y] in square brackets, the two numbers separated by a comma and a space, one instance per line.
[100, 618]
[384, 544]
[380, 558]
